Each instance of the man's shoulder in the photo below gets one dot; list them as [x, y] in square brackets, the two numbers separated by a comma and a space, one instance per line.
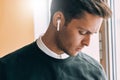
[89, 60]
[21, 52]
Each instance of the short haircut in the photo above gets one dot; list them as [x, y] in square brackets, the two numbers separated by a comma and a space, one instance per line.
[75, 8]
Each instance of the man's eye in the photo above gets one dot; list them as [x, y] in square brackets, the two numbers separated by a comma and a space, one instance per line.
[83, 32]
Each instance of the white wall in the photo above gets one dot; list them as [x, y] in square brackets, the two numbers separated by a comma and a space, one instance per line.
[117, 23]
[41, 17]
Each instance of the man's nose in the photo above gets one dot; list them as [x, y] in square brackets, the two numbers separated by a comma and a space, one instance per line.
[86, 40]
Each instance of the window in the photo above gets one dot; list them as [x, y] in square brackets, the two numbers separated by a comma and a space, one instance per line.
[113, 42]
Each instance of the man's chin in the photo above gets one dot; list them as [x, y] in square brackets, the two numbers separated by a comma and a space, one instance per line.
[73, 54]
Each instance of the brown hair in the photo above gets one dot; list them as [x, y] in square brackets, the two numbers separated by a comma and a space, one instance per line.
[76, 8]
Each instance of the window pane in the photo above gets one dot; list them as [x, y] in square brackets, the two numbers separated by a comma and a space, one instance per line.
[117, 23]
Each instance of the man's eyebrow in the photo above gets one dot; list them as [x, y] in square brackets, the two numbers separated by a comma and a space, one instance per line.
[82, 28]
[85, 30]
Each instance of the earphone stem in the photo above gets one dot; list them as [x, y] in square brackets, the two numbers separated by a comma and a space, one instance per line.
[58, 25]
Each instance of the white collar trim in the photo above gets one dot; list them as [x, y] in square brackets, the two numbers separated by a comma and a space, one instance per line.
[49, 52]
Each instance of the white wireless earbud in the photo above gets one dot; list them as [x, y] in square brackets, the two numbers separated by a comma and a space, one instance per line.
[58, 24]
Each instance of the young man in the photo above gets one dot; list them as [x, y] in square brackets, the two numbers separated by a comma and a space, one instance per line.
[57, 54]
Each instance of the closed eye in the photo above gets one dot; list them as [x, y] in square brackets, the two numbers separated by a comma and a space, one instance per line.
[82, 32]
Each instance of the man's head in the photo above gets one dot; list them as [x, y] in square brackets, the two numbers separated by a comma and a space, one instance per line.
[73, 22]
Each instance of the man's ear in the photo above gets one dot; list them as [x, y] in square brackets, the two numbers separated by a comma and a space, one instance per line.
[58, 20]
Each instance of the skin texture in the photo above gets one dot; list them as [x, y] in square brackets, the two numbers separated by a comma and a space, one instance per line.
[71, 38]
